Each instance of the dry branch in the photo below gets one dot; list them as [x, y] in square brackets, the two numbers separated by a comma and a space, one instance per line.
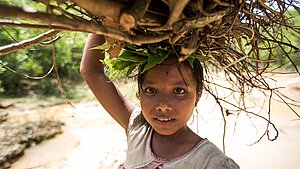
[176, 8]
[128, 19]
[103, 7]
[64, 23]
[27, 43]
[198, 22]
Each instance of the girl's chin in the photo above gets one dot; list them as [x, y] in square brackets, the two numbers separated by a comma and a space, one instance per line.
[168, 131]
[165, 132]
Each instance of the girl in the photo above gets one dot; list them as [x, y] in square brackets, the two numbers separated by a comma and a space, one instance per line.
[158, 135]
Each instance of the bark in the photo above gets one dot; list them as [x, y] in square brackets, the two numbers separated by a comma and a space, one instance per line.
[102, 7]
[129, 18]
[176, 8]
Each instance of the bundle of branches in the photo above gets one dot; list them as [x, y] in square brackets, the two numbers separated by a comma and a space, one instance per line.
[238, 36]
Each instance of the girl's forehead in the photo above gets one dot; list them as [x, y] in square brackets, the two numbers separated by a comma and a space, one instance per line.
[171, 70]
[172, 63]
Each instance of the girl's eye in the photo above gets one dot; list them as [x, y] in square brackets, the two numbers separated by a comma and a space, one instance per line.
[179, 91]
[150, 90]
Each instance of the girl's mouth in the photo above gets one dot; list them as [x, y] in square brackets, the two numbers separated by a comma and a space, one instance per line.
[164, 121]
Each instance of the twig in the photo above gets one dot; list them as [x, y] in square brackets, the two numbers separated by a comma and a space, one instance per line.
[28, 25]
[61, 89]
[280, 42]
[26, 43]
[223, 116]
[222, 3]
[288, 98]
[192, 46]
[249, 112]
[266, 7]
[25, 75]
[46, 43]
[234, 62]
[288, 105]
[198, 22]
[269, 122]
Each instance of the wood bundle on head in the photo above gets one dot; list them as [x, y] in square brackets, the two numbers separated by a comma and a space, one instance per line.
[232, 32]
[220, 28]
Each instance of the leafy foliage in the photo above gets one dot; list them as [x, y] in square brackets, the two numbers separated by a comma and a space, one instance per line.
[142, 57]
[37, 61]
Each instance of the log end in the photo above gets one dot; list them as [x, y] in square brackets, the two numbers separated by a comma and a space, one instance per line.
[127, 21]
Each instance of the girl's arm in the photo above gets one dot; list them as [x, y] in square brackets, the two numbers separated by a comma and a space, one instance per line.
[104, 90]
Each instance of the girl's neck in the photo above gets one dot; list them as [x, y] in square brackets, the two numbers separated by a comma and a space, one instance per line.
[181, 136]
[176, 145]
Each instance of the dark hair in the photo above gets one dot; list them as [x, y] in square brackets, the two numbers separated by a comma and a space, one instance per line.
[197, 70]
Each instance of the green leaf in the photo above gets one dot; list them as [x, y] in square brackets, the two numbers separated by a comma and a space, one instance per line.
[191, 61]
[138, 52]
[104, 46]
[120, 64]
[130, 69]
[130, 46]
[152, 48]
[127, 55]
[154, 60]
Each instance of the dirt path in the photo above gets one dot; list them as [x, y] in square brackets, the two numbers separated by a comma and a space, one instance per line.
[90, 139]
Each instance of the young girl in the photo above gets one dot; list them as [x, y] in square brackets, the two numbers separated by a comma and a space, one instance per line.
[158, 135]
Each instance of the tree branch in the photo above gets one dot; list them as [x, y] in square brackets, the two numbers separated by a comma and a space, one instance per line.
[27, 43]
[64, 23]
[198, 22]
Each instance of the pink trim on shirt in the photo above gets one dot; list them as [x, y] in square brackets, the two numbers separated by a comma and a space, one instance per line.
[156, 164]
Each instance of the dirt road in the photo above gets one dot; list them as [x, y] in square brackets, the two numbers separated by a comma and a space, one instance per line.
[90, 139]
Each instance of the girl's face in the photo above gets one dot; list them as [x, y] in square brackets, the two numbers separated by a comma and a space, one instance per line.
[168, 100]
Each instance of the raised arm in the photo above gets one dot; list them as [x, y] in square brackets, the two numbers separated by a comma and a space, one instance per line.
[104, 90]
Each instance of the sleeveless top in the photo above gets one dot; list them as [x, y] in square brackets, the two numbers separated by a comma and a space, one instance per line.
[205, 155]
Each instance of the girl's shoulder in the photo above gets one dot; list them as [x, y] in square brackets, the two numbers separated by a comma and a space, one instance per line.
[213, 157]
[136, 119]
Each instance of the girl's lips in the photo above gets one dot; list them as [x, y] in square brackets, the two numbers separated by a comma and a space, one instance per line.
[164, 121]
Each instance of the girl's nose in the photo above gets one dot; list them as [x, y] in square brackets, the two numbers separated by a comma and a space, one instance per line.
[163, 104]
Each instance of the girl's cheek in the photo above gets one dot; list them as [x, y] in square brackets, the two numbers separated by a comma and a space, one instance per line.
[146, 100]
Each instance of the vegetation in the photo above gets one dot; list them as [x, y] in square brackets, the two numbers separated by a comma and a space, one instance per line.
[20, 71]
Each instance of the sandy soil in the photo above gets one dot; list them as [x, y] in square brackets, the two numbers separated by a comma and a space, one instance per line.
[92, 140]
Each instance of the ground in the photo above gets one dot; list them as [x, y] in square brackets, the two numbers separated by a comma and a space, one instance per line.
[91, 139]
